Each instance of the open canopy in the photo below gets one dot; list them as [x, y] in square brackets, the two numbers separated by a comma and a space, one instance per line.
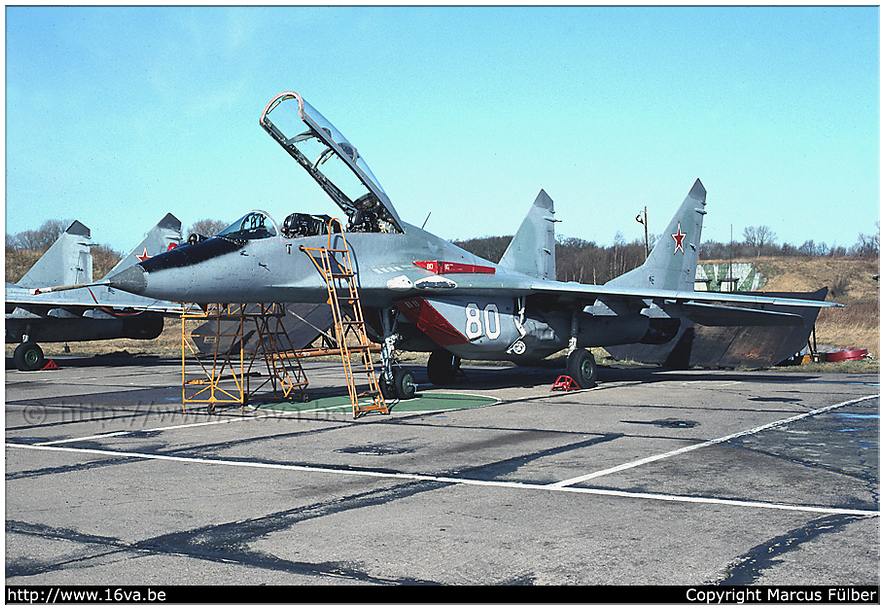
[330, 160]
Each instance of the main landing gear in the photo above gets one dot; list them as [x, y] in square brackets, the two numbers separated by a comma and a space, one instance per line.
[28, 357]
[442, 367]
[581, 367]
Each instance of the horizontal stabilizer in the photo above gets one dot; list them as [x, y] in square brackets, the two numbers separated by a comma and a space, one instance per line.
[708, 314]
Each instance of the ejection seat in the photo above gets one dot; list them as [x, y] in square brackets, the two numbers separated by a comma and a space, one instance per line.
[306, 225]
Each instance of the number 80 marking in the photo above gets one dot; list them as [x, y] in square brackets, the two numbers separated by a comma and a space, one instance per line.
[475, 321]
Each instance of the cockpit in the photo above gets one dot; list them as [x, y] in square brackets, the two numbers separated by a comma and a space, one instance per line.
[305, 225]
[259, 225]
[336, 166]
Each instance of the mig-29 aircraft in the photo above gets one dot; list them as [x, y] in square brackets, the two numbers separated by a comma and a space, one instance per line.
[420, 292]
[87, 312]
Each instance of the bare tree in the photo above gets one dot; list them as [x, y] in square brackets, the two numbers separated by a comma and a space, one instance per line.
[759, 238]
[41, 239]
[867, 246]
[103, 260]
[207, 227]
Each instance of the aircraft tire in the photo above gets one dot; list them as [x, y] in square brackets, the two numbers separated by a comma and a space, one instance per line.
[28, 357]
[442, 367]
[387, 391]
[404, 383]
[582, 368]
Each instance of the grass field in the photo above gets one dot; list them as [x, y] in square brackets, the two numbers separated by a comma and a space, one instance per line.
[853, 283]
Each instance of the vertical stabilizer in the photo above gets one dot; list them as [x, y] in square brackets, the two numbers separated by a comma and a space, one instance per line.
[673, 261]
[162, 237]
[532, 250]
[68, 260]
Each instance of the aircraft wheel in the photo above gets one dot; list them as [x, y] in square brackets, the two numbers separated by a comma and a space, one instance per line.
[28, 357]
[582, 368]
[442, 367]
[404, 382]
[388, 390]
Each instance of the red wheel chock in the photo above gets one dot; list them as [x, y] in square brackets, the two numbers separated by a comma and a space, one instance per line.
[565, 383]
[50, 366]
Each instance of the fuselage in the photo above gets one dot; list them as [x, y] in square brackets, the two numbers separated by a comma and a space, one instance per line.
[278, 269]
[442, 295]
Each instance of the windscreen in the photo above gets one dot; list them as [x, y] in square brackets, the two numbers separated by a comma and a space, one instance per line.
[254, 225]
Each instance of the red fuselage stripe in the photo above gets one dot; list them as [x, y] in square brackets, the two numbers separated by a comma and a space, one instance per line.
[446, 267]
[431, 322]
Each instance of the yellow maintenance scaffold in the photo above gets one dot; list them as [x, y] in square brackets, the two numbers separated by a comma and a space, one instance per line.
[224, 372]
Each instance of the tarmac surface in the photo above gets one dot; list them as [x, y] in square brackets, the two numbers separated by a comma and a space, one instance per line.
[653, 477]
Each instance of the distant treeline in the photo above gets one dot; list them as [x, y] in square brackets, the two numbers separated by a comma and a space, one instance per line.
[586, 262]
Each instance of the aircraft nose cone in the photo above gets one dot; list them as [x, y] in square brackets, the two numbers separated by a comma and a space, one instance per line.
[133, 279]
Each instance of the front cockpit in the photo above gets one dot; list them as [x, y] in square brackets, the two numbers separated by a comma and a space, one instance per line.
[254, 225]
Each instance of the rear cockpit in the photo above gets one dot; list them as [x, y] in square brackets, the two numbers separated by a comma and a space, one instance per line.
[306, 225]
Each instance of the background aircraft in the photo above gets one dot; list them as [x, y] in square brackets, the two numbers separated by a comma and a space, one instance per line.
[420, 292]
[87, 313]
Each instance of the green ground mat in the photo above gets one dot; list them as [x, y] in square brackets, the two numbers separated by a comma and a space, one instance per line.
[424, 401]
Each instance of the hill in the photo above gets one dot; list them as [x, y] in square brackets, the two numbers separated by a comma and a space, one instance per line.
[852, 282]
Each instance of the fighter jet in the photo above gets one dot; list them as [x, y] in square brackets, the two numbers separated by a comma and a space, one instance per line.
[419, 292]
[86, 312]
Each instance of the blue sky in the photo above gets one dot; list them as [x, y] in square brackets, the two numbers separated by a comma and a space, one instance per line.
[117, 115]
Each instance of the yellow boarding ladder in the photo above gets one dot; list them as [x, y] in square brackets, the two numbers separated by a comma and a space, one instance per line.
[336, 268]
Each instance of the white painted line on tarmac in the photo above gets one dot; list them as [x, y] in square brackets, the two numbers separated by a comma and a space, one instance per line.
[452, 480]
[723, 439]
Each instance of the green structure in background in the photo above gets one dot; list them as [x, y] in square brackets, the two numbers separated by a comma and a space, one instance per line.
[728, 277]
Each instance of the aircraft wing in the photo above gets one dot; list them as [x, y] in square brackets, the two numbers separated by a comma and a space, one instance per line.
[576, 291]
[706, 308]
[89, 296]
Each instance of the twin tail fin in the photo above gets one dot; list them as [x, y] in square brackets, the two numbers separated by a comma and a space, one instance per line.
[673, 261]
[533, 249]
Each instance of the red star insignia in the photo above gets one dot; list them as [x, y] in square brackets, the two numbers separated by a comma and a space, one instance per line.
[678, 237]
[143, 257]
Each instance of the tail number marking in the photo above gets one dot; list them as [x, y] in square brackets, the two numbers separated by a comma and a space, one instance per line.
[475, 321]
